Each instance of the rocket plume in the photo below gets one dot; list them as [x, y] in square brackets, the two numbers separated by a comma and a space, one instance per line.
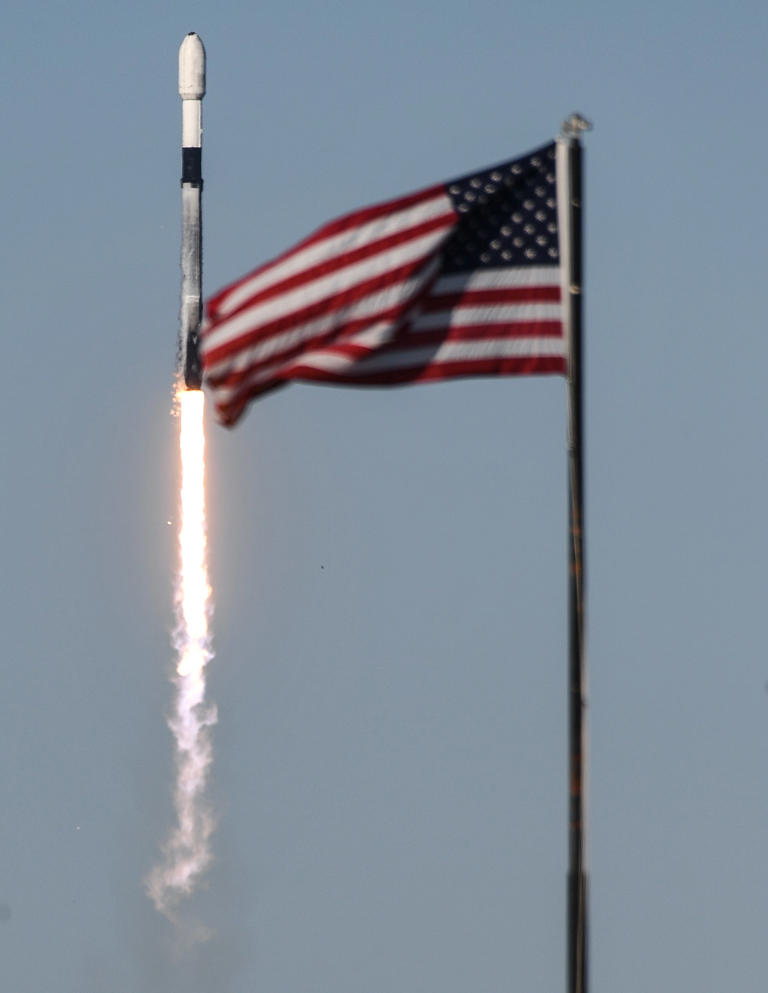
[187, 851]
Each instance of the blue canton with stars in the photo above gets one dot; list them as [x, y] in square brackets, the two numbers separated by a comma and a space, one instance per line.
[507, 215]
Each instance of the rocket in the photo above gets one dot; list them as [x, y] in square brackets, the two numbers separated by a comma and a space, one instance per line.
[191, 91]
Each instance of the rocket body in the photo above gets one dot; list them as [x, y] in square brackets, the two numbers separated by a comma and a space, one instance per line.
[191, 91]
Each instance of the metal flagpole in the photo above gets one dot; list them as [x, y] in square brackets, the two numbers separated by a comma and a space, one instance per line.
[569, 169]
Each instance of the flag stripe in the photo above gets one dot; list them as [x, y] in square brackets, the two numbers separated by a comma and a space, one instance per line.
[525, 315]
[500, 277]
[517, 294]
[441, 353]
[512, 365]
[371, 301]
[334, 290]
[356, 361]
[320, 249]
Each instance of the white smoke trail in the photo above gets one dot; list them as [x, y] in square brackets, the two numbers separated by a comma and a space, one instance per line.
[186, 853]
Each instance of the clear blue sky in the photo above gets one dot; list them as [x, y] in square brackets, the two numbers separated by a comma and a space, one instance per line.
[389, 567]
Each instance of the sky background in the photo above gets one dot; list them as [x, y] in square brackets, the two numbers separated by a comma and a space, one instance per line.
[389, 567]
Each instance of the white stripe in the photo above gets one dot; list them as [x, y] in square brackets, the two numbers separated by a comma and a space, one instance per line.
[368, 308]
[320, 289]
[522, 313]
[371, 338]
[501, 278]
[191, 123]
[497, 348]
[336, 245]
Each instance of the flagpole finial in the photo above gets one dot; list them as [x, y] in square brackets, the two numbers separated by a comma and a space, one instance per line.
[575, 125]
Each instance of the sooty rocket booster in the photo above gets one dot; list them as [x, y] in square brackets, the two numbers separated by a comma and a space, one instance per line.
[191, 91]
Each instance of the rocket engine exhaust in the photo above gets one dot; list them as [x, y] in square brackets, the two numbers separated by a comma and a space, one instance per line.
[187, 851]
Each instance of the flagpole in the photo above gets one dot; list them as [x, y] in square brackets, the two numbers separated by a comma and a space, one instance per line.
[577, 897]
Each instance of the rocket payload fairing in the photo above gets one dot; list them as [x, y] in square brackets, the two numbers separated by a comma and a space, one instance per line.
[191, 91]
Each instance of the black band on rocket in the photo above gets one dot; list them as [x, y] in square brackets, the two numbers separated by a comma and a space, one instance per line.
[191, 166]
[193, 376]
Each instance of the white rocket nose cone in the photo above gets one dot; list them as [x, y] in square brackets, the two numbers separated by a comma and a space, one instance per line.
[192, 68]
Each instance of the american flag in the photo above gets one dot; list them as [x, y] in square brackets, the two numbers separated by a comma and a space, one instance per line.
[460, 279]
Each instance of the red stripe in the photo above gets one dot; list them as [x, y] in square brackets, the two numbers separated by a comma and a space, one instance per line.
[433, 371]
[336, 302]
[358, 217]
[344, 223]
[476, 332]
[514, 294]
[328, 266]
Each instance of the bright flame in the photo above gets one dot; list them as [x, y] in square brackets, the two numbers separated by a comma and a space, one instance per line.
[187, 852]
